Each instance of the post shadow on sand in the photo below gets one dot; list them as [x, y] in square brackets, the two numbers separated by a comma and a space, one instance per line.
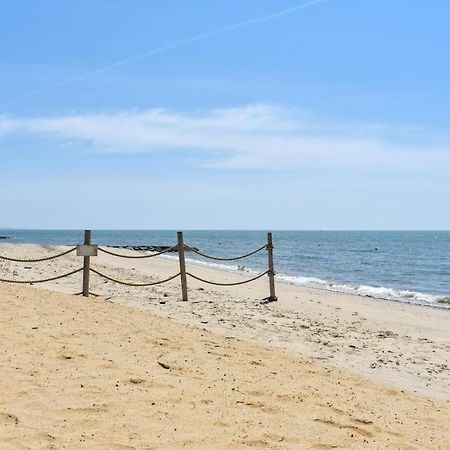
[268, 300]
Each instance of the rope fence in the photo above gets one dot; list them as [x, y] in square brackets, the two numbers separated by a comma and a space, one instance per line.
[152, 255]
[237, 283]
[126, 283]
[88, 250]
[48, 258]
[219, 258]
[57, 277]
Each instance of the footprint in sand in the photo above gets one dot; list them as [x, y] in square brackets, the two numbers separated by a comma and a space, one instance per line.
[332, 423]
[8, 419]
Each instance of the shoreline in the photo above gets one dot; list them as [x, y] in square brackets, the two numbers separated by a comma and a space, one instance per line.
[404, 345]
[284, 278]
[407, 266]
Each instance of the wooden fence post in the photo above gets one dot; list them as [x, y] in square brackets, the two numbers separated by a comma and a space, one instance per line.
[86, 264]
[271, 273]
[184, 292]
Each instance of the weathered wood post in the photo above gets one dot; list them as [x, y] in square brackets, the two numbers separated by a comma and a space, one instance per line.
[271, 273]
[184, 292]
[86, 264]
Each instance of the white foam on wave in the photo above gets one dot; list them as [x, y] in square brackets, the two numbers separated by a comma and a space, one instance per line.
[384, 293]
[362, 290]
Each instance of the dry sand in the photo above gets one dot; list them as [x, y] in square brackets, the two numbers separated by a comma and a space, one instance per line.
[84, 373]
[218, 392]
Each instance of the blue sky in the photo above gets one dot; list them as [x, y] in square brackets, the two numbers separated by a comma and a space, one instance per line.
[332, 115]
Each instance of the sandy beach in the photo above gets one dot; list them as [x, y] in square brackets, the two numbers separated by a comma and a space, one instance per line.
[313, 370]
[303, 148]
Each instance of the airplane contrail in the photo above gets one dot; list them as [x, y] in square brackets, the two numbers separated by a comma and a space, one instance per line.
[173, 45]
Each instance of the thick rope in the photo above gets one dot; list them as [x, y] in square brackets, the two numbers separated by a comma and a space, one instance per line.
[41, 281]
[140, 256]
[218, 258]
[133, 284]
[228, 284]
[48, 258]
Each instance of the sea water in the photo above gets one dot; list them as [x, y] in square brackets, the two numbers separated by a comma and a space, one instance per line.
[408, 266]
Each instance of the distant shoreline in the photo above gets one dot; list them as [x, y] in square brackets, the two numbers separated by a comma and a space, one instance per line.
[406, 268]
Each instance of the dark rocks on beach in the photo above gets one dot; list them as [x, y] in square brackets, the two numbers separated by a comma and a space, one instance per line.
[144, 248]
[148, 248]
[4, 237]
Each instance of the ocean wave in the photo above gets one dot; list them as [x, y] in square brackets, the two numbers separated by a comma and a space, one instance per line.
[384, 293]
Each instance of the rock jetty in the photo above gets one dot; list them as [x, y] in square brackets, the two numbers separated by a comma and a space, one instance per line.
[147, 248]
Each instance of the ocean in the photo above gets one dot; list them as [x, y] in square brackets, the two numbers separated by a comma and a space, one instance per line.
[406, 266]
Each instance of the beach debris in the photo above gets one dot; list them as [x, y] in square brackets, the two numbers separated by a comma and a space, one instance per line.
[363, 421]
[9, 417]
[136, 380]
[164, 365]
[386, 334]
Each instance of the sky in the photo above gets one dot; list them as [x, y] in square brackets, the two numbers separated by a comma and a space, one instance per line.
[255, 114]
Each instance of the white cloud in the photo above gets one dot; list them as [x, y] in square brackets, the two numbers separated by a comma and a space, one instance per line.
[6, 126]
[256, 136]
